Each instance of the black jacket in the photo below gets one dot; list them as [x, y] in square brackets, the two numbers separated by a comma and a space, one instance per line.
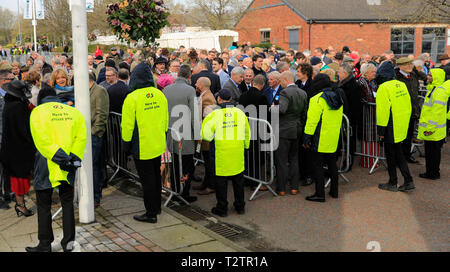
[254, 97]
[141, 77]
[17, 150]
[243, 87]
[117, 94]
[354, 97]
[413, 88]
[307, 88]
[215, 80]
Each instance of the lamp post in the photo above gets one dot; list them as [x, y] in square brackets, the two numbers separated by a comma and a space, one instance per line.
[82, 102]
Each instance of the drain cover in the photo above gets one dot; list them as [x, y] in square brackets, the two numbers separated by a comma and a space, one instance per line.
[224, 230]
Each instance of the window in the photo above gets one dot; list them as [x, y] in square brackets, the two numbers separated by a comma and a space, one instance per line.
[402, 40]
[433, 40]
[265, 36]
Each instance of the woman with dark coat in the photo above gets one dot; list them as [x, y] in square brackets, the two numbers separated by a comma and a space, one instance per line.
[17, 150]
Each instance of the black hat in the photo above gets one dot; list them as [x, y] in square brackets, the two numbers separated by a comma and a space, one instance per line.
[224, 94]
[99, 57]
[161, 60]
[18, 89]
[110, 63]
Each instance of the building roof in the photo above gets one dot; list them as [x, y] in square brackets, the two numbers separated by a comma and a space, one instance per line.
[339, 11]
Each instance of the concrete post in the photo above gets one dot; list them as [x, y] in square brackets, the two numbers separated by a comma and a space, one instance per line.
[82, 102]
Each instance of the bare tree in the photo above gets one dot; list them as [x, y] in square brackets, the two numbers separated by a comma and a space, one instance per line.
[7, 22]
[423, 11]
[218, 14]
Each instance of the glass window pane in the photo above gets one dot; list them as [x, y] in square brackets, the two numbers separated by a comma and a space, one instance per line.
[396, 47]
[408, 34]
[441, 47]
[396, 34]
[408, 48]
[426, 47]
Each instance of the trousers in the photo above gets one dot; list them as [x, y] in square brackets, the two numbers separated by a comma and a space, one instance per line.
[286, 162]
[44, 204]
[396, 158]
[222, 192]
[150, 178]
[318, 159]
[433, 157]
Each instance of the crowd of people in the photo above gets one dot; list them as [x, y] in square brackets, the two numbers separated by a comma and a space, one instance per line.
[311, 90]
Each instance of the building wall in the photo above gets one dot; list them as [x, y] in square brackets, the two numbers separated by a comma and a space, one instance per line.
[374, 38]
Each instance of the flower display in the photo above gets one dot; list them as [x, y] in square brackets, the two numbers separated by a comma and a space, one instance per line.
[138, 20]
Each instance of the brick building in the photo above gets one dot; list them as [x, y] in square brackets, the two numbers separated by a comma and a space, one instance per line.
[307, 24]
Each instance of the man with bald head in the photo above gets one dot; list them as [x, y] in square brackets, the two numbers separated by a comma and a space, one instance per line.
[204, 67]
[207, 104]
[293, 109]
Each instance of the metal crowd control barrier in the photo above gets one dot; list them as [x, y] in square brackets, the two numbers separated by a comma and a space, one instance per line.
[371, 135]
[346, 157]
[118, 160]
[260, 156]
[414, 145]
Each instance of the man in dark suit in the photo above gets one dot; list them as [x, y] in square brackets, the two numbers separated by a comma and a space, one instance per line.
[203, 66]
[119, 91]
[293, 109]
[304, 75]
[272, 93]
[248, 79]
[237, 77]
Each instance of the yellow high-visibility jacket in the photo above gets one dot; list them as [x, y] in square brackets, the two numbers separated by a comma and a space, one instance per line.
[145, 121]
[229, 129]
[59, 133]
[394, 109]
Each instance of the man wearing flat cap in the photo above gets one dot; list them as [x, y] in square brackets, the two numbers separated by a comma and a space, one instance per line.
[116, 56]
[445, 65]
[408, 74]
[228, 127]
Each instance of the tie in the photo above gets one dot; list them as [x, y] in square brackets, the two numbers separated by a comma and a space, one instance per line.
[409, 76]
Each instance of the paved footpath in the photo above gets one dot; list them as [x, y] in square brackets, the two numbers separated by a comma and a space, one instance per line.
[115, 230]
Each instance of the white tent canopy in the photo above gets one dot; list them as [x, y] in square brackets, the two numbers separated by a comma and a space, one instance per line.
[218, 39]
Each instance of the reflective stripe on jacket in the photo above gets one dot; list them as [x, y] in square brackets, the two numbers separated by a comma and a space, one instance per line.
[59, 133]
[433, 119]
[145, 121]
[229, 129]
[394, 103]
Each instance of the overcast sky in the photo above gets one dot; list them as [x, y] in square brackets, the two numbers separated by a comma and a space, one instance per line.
[10, 4]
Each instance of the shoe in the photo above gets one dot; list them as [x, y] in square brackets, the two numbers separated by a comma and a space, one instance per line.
[333, 195]
[206, 191]
[388, 187]
[39, 248]
[315, 198]
[294, 192]
[219, 212]
[196, 178]
[96, 205]
[407, 187]
[281, 193]
[3, 205]
[240, 211]
[198, 187]
[69, 247]
[411, 159]
[25, 212]
[427, 176]
[145, 218]
[308, 182]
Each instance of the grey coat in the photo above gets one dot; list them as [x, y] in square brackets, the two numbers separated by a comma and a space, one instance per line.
[293, 110]
[181, 93]
[235, 92]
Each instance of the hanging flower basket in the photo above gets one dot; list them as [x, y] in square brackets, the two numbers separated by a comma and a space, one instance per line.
[138, 20]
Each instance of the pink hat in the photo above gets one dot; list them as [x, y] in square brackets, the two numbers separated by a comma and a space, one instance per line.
[165, 80]
[355, 57]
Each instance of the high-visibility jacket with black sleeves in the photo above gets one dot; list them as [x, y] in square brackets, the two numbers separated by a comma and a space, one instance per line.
[393, 111]
[145, 121]
[433, 118]
[59, 133]
[229, 129]
[324, 121]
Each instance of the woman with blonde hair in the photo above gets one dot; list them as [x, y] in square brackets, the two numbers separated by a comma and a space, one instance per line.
[61, 83]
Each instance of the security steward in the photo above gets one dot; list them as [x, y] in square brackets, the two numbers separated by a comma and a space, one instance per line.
[59, 133]
[433, 122]
[228, 127]
[322, 131]
[145, 121]
[393, 119]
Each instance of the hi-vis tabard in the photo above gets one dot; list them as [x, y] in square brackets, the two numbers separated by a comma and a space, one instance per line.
[145, 121]
[58, 131]
[229, 129]
[393, 97]
[433, 118]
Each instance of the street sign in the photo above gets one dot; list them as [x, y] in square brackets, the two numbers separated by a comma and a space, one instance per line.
[40, 9]
[28, 12]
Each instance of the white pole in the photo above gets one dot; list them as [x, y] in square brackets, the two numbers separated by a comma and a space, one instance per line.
[34, 22]
[82, 102]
